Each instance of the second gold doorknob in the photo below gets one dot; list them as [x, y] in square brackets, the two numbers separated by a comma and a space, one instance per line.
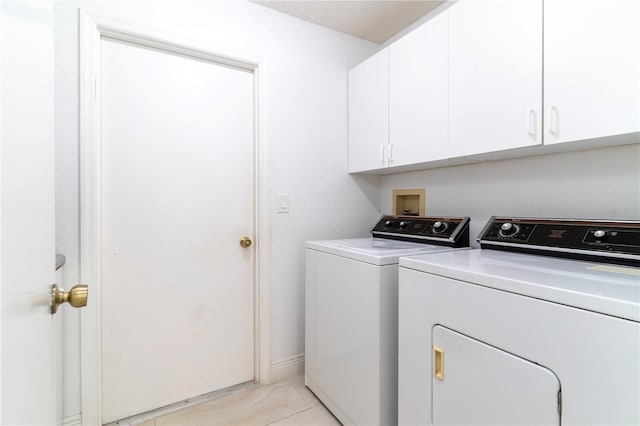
[245, 242]
[77, 296]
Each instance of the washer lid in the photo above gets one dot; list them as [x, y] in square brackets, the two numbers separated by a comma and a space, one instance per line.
[599, 287]
[377, 251]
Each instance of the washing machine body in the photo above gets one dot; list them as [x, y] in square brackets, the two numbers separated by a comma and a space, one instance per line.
[351, 297]
[546, 333]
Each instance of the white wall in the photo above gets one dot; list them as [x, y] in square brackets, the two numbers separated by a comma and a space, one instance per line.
[306, 133]
[594, 184]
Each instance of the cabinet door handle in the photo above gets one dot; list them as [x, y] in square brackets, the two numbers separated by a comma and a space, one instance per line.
[531, 123]
[553, 120]
[383, 151]
[390, 153]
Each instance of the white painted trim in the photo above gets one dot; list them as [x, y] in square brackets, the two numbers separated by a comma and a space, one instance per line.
[1, 198]
[75, 420]
[287, 368]
[92, 28]
[89, 62]
[263, 225]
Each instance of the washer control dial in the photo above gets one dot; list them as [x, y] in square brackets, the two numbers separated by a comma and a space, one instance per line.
[439, 227]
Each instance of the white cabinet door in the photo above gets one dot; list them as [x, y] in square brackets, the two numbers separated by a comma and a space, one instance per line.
[418, 94]
[495, 75]
[483, 385]
[591, 69]
[369, 113]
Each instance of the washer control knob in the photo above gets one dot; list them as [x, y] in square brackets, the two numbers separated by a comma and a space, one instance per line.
[599, 233]
[388, 223]
[439, 227]
[404, 224]
[508, 229]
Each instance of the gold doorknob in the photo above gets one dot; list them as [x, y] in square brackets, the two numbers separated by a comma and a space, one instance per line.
[77, 296]
[245, 242]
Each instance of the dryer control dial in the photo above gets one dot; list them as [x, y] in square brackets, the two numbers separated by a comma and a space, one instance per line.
[601, 236]
[508, 229]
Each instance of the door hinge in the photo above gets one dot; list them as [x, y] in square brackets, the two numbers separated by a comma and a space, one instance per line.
[560, 402]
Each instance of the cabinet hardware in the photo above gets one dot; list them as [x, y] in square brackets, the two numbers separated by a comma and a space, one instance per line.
[383, 151]
[531, 123]
[553, 120]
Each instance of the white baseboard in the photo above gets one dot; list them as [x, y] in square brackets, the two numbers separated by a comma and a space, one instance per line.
[75, 420]
[287, 368]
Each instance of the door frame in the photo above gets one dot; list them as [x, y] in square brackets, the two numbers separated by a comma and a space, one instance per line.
[92, 28]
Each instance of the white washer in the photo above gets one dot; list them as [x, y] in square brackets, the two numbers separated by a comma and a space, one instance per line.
[351, 313]
[497, 337]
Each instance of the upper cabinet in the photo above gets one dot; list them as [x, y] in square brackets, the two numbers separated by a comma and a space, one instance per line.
[591, 69]
[369, 113]
[495, 76]
[398, 101]
[418, 79]
[469, 84]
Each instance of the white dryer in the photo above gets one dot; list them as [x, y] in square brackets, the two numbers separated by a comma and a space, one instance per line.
[351, 319]
[539, 326]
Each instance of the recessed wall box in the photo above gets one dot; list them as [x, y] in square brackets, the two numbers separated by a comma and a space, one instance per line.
[408, 202]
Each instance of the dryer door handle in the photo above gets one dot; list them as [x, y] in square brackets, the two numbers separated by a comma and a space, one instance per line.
[438, 363]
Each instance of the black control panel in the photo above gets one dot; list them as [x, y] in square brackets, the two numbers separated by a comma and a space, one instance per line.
[450, 231]
[607, 241]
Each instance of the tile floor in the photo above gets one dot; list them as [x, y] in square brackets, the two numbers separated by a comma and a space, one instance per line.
[288, 403]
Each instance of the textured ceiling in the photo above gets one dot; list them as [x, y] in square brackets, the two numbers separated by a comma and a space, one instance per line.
[376, 21]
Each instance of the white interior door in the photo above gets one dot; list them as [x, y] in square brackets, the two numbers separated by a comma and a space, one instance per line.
[29, 379]
[177, 195]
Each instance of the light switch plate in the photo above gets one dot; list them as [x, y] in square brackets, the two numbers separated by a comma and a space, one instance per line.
[282, 203]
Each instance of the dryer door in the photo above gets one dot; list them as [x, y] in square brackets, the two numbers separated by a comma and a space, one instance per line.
[482, 385]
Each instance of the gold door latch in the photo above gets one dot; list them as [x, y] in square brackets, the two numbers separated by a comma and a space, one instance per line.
[77, 296]
[438, 363]
[245, 242]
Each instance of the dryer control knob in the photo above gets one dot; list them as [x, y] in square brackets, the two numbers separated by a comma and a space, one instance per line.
[599, 233]
[508, 229]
